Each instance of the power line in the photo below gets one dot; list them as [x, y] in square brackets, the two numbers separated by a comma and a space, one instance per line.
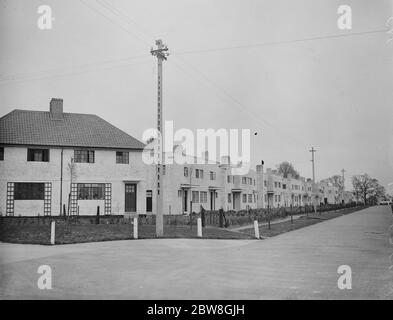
[66, 74]
[62, 69]
[234, 101]
[114, 22]
[273, 43]
[109, 6]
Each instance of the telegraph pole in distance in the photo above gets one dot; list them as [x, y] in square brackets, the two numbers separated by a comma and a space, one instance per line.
[161, 54]
[313, 176]
[312, 160]
[343, 188]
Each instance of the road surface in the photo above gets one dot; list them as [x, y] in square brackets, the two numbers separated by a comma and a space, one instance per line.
[301, 264]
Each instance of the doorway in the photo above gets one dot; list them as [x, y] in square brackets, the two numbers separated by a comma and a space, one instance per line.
[149, 200]
[185, 200]
[130, 197]
[212, 200]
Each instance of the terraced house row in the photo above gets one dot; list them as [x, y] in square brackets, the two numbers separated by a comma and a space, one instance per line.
[55, 162]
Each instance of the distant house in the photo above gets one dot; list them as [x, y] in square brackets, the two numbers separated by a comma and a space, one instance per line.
[50, 159]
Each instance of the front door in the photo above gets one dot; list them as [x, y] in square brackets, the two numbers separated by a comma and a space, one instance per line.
[185, 197]
[130, 197]
[212, 200]
[149, 200]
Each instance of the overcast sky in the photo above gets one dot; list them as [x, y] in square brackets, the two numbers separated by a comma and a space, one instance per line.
[334, 94]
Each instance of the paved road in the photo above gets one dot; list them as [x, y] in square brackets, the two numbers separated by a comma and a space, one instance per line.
[298, 265]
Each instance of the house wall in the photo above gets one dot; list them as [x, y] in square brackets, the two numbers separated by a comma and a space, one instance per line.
[16, 168]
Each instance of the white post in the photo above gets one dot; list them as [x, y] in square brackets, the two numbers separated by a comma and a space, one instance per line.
[52, 232]
[199, 225]
[256, 229]
[135, 228]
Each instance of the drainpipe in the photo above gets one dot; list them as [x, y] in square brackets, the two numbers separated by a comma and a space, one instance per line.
[61, 181]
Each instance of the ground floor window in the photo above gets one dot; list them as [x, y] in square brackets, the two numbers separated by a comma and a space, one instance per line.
[244, 198]
[195, 196]
[250, 198]
[29, 191]
[203, 197]
[229, 198]
[91, 191]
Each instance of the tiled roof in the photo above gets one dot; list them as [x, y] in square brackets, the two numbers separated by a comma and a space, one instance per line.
[74, 130]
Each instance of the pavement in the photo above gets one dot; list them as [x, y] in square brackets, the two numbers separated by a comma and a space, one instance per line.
[301, 264]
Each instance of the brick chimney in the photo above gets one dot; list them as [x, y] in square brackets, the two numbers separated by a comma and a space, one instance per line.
[56, 108]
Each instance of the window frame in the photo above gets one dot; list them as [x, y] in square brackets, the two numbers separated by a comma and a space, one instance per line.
[244, 197]
[90, 154]
[35, 195]
[31, 153]
[195, 196]
[89, 189]
[124, 157]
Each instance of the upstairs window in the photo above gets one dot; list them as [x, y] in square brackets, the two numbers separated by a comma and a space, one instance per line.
[29, 191]
[1, 154]
[212, 175]
[84, 156]
[199, 173]
[229, 179]
[185, 171]
[41, 155]
[122, 157]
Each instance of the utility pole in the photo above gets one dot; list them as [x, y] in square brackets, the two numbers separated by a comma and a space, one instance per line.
[312, 160]
[343, 187]
[161, 54]
[313, 177]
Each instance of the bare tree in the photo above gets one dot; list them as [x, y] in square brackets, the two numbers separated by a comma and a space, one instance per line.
[367, 188]
[71, 167]
[286, 168]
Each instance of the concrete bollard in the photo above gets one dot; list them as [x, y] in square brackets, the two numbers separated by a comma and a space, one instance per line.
[199, 225]
[256, 229]
[135, 228]
[52, 232]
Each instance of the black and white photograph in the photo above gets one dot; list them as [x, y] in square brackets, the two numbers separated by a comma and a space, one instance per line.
[196, 154]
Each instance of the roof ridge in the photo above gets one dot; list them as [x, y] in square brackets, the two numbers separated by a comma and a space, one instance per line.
[42, 111]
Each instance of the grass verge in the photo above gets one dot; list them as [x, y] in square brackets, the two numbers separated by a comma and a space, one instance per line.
[304, 221]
